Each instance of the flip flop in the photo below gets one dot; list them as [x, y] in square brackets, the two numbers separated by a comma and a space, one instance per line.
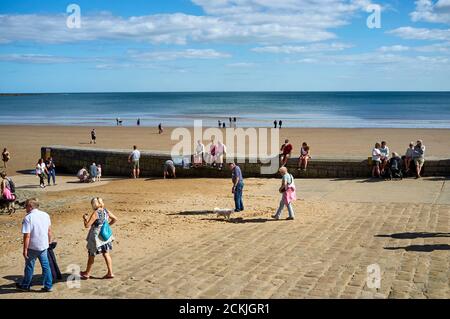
[107, 277]
[83, 276]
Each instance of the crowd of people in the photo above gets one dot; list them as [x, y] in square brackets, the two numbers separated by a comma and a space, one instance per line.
[388, 166]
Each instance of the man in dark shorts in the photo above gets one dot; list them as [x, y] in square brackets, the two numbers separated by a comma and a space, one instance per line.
[169, 169]
[93, 136]
[286, 150]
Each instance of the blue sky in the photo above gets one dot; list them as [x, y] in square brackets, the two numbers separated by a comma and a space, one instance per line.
[224, 45]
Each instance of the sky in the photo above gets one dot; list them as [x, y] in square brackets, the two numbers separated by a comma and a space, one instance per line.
[224, 45]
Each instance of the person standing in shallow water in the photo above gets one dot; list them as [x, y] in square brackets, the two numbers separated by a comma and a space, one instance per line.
[160, 129]
[138, 122]
[280, 123]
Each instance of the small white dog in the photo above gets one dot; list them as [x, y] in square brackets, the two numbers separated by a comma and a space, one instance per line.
[226, 213]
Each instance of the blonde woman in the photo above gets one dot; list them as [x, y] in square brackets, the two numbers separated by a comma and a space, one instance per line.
[95, 244]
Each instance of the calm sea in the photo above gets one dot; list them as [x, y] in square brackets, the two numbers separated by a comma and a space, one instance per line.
[295, 109]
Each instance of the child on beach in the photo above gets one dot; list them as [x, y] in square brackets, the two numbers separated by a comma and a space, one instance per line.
[5, 157]
[99, 173]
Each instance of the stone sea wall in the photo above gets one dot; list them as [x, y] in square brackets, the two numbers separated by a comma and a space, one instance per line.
[115, 163]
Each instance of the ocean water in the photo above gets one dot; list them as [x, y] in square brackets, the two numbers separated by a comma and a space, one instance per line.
[256, 109]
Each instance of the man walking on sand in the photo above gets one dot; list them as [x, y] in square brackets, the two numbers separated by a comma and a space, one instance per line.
[238, 186]
[36, 238]
[134, 160]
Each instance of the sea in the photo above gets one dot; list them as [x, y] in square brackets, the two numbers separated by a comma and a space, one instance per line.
[251, 109]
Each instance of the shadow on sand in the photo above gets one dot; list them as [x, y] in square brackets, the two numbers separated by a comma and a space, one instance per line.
[415, 235]
[421, 248]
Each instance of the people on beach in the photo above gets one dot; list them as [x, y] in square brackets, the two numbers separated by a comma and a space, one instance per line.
[93, 172]
[199, 154]
[6, 156]
[93, 136]
[376, 160]
[304, 157]
[275, 123]
[223, 125]
[160, 128]
[134, 160]
[119, 121]
[7, 190]
[51, 169]
[96, 243]
[169, 169]
[41, 172]
[288, 191]
[212, 153]
[231, 120]
[138, 122]
[220, 123]
[238, 186]
[409, 157]
[83, 175]
[221, 150]
[234, 122]
[384, 149]
[286, 150]
[37, 234]
[394, 166]
[419, 157]
[99, 173]
[280, 123]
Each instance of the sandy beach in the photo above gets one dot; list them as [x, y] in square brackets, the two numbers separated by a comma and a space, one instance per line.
[24, 142]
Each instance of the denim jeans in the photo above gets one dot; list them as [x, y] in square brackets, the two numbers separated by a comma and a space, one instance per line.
[29, 268]
[52, 174]
[281, 207]
[239, 205]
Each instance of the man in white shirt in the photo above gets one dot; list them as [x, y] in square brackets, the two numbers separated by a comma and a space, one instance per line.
[199, 154]
[134, 159]
[36, 238]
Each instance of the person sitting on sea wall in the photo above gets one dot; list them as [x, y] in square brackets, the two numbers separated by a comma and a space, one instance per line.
[286, 150]
[221, 150]
[376, 160]
[212, 153]
[384, 149]
[199, 154]
[304, 157]
[419, 157]
[409, 156]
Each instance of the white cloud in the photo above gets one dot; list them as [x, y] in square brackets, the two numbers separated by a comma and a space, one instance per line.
[411, 33]
[242, 65]
[237, 21]
[394, 48]
[174, 55]
[38, 58]
[432, 11]
[291, 49]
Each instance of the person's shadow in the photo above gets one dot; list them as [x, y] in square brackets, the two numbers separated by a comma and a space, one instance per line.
[415, 235]
[421, 248]
[36, 282]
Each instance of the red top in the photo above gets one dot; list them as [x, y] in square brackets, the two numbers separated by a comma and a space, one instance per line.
[287, 149]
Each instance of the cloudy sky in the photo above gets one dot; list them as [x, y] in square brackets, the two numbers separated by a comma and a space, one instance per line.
[224, 45]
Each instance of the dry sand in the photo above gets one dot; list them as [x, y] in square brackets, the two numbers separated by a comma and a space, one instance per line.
[24, 142]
